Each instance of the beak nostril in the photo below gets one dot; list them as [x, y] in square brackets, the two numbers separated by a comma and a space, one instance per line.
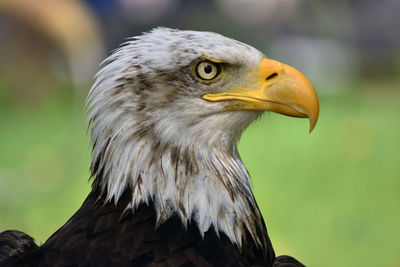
[270, 77]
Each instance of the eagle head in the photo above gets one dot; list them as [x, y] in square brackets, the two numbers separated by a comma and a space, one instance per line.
[166, 112]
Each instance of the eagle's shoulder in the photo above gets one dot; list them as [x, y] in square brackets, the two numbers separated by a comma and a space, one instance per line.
[13, 242]
[114, 236]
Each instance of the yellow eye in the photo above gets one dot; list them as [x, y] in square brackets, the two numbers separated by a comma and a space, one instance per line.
[207, 70]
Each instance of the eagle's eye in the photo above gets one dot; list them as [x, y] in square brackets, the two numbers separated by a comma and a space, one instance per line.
[207, 71]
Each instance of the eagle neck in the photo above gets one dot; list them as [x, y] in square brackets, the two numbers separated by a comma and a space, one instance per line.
[205, 183]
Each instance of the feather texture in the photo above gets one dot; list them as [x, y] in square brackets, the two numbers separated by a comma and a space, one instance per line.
[110, 235]
[153, 133]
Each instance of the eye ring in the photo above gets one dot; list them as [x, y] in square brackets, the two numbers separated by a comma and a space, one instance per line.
[207, 71]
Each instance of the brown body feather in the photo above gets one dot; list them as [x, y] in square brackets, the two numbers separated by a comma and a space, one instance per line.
[110, 235]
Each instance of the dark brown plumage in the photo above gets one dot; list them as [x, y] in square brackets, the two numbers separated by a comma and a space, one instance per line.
[13, 242]
[109, 235]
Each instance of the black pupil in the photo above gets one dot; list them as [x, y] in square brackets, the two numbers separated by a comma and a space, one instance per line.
[208, 69]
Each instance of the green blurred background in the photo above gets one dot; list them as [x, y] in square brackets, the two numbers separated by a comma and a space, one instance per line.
[330, 198]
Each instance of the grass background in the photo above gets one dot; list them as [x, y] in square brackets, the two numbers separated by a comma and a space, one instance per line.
[330, 198]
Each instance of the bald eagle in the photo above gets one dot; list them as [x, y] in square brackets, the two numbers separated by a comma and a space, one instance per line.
[169, 187]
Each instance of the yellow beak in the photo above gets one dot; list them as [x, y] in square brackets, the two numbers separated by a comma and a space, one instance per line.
[283, 90]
